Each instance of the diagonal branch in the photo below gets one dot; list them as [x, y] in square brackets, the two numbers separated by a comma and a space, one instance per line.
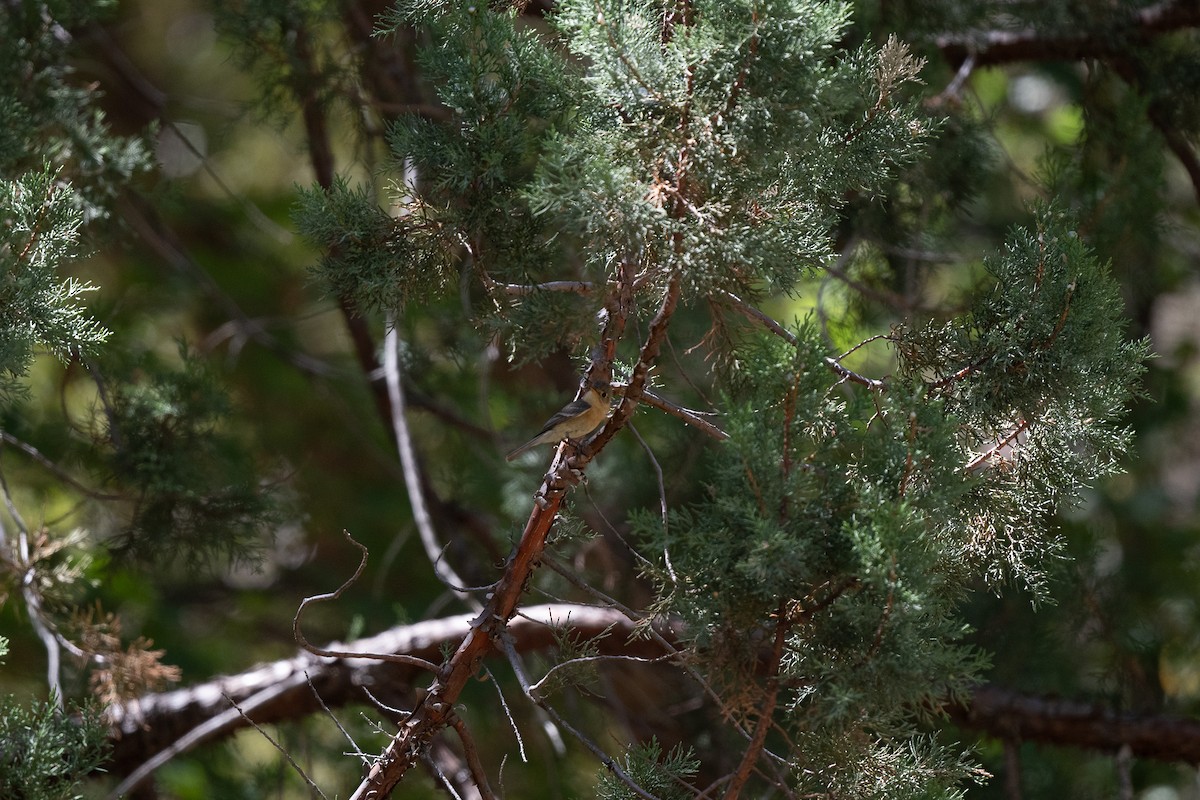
[692, 418]
[412, 471]
[766, 712]
[435, 710]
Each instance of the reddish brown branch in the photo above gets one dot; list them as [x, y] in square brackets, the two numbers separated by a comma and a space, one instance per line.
[998, 447]
[36, 227]
[478, 774]
[766, 712]
[962, 373]
[739, 83]
[646, 359]
[432, 715]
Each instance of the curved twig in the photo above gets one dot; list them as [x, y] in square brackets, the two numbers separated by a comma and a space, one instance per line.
[395, 658]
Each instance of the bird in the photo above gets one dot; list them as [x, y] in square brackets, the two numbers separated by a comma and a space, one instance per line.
[574, 421]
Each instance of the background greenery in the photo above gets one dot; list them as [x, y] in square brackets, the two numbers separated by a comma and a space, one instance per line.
[232, 363]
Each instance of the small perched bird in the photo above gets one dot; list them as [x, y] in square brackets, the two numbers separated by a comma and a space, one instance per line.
[574, 421]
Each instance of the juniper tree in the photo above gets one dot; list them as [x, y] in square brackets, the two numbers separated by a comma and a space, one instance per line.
[754, 209]
[597, 185]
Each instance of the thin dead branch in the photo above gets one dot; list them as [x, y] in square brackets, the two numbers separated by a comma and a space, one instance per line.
[412, 477]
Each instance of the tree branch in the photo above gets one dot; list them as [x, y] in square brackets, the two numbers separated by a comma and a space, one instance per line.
[432, 715]
[156, 722]
[692, 418]
[1001, 47]
[412, 472]
[277, 692]
[1006, 714]
[1032, 44]
[766, 712]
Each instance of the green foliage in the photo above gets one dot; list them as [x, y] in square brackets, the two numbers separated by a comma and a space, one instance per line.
[44, 754]
[1038, 373]
[280, 41]
[196, 493]
[41, 224]
[726, 152]
[549, 173]
[884, 769]
[827, 516]
[719, 145]
[363, 257]
[662, 776]
[724, 147]
[857, 524]
[45, 118]
[510, 96]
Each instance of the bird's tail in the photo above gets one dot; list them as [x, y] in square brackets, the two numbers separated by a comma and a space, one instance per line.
[525, 448]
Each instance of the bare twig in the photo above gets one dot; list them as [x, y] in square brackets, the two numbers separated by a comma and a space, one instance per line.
[436, 769]
[395, 658]
[689, 416]
[59, 472]
[644, 625]
[209, 729]
[605, 759]
[1022, 426]
[478, 774]
[299, 770]
[953, 88]
[408, 459]
[854, 377]
[662, 502]
[156, 99]
[317, 695]
[863, 343]
[508, 713]
[758, 316]
[535, 690]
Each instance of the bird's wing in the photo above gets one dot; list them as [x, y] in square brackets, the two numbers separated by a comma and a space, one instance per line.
[571, 409]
